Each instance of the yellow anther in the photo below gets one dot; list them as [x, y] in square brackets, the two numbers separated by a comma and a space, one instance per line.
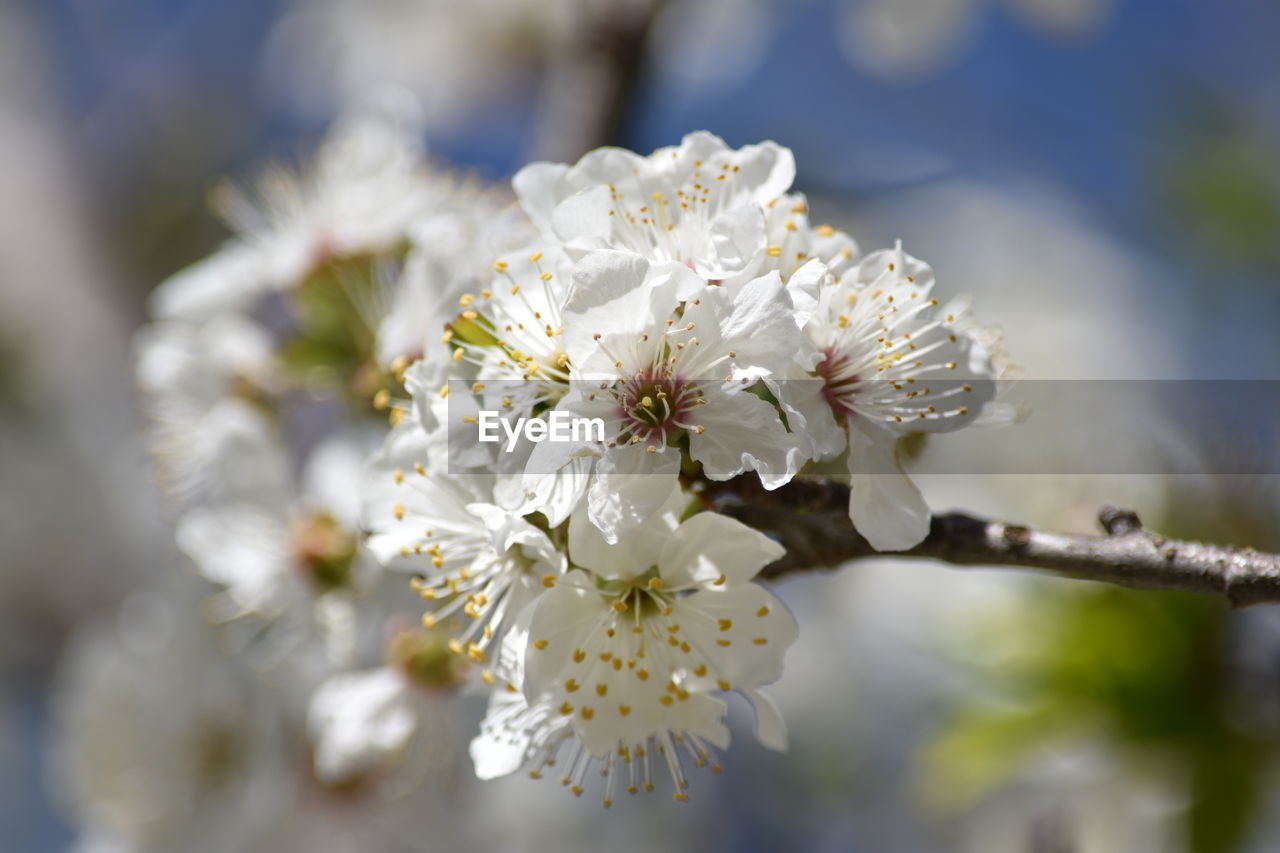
[539, 644]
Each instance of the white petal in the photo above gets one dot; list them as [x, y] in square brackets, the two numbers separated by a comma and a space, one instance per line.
[804, 285]
[510, 531]
[710, 545]
[582, 221]
[631, 484]
[744, 433]
[500, 749]
[738, 239]
[537, 186]
[886, 508]
[743, 630]
[754, 320]
[228, 280]
[561, 621]
[240, 548]
[771, 728]
[360, 720]
[619, 296]
[636, 553]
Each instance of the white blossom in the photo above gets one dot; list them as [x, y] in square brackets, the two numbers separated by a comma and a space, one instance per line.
[655, 371]
[167, 743]
[699, 203]
[205, 388]
[273, 549]
[631, 646]
[893, 361]
[366, 187]
[472, 557]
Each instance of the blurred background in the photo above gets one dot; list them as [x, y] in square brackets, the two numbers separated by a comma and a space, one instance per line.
[1102, 175]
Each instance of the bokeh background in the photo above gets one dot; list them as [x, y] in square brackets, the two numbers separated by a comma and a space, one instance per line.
[1103, 176]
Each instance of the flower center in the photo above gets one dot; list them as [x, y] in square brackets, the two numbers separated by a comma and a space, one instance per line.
[653, 402]
[324, 550]
[840, 382]
[425, 657]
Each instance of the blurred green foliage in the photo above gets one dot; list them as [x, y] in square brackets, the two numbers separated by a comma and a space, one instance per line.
[1220, 185]
[334, 313]
[1152, 675]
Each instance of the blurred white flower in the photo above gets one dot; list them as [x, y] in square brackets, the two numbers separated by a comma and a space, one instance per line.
[455, 57]
[453, 247]
[166, 743]
[362, 193]
[273, 549]
[381, 721]
[913, 38]
[203, 384]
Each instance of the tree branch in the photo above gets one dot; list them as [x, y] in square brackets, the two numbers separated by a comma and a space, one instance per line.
[810, 517]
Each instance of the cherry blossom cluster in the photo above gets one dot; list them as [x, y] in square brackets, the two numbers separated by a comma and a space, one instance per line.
[682, 301]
